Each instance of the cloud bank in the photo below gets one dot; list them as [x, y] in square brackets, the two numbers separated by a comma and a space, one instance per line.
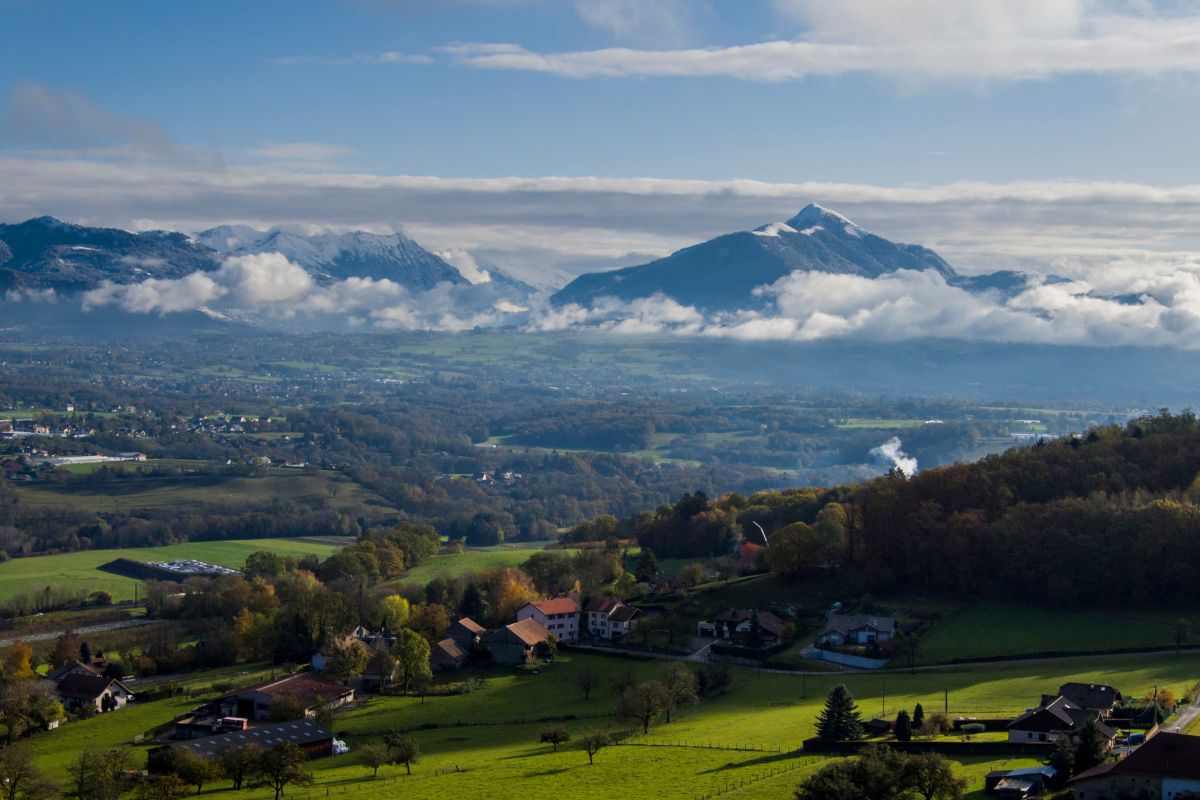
[942, 40]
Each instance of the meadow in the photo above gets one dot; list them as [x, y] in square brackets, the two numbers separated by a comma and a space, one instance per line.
[486, 742]
[202, 489]
[458, 564]
[81, 571]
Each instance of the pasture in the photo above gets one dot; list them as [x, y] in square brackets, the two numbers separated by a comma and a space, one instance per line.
[473, 744]
[81, 571]
[453, 566]
[290, 485]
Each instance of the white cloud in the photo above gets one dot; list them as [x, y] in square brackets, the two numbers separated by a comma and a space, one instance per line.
[462, 261]
[651, 21]
[924, 39]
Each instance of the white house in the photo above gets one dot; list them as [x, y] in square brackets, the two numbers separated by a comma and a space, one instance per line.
[559, 616]
[609, 618]
[844, 629]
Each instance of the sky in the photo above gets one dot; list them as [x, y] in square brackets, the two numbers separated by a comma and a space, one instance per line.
[552, 137]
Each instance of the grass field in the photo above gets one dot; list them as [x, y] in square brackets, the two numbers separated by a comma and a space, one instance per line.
[491, 734]
[454, 565]
[80, 571]
[192, 490]
[1003, 629]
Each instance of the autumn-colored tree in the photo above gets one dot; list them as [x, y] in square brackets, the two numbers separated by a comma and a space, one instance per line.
[412, 657]
[66, 649]
[18, 661]
[345, 658]
[393, 611]
[508, 590]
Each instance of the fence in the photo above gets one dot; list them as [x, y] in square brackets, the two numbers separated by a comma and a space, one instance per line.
[954, 749]
[771, 772]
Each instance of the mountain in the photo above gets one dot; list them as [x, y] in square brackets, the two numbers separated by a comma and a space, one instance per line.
[47, 253]
[722, 273]
[332, 257]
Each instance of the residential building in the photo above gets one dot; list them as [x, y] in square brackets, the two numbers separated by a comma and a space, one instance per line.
[738, 625]
[1166, 766]
[1092, 696]
[1060, 717]
[856, 629]
[517, 643]
[80, 690]
[308, 691]
[559, 616]
[609, 618]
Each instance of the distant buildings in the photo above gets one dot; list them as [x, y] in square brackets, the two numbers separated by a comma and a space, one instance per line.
[856, 629]
[1166, 766]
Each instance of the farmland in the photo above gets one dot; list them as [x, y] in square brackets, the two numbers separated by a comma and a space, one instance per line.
[81, 571]
[454, 565]
[203, 488]
[491, 734]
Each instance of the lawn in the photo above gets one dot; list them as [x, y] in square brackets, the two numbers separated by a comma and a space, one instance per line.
[80, 571]
[1004, 629]
[200, 489]
[491, 734]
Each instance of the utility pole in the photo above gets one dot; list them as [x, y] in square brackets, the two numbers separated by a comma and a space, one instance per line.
[946, 703]
[883, 713]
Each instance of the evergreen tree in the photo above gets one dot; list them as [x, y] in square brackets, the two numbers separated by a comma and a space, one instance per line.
[918, 717]
[903, 727]
[1062, 758]
[840, 719]
[472, 602]
[647, 566]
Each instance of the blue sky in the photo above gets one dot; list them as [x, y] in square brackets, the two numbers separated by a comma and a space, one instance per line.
[1004, 132]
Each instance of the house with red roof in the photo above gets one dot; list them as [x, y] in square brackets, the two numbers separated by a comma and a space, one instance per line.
[559, 616]
[1166, 766]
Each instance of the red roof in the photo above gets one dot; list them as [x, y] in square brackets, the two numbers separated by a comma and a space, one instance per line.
[559, 605]
[603, 605]
[471, 625]
[1167, 755]
[302, 686]
[529, 631]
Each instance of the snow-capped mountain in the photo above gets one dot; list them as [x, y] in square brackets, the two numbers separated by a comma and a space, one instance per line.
[336, 256]
[722, 273]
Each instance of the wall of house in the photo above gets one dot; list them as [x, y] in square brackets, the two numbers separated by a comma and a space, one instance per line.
[1113, 787]
[1173, 787]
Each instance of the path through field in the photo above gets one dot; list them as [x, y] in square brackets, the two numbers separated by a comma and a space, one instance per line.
[46, 636]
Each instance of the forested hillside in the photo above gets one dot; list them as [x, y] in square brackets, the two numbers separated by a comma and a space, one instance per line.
[1113, 515]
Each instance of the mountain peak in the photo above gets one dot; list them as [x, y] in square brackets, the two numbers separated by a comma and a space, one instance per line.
[813, 216]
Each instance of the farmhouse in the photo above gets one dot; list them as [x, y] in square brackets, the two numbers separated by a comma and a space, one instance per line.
[609, 618]
[1091, 696]
[1018, 783]
[80, 690]
[516, 643]
[305, 690]
[739, 625]
[467, 633]
[447, 655]
[378, 673]
[1059, 717]
[71, 667]
[1166, 766]
[851, 629]
[559, 616]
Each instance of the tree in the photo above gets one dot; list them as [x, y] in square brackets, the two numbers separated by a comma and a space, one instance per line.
[714, 679]
[402, 750]
[282, 766]
[27, 704]
[85, 652]
[1091, 746]
[66, 648]
[681, 685]
[877, 774]
[20, 779]
[162, 787]
[587, 680]
[372, 756]
[555, 735]
[794, 549]
[393, 611]
[551, 646]
[903, 727]
[412, 657]
[932, 777]
[102, 774]
[622, 681]
[345, 659]
[1062, 758]
[18, 661]
[644, 703]
[691, 575]
[918, 718]
[191, 768]
[840, 719]
[909, 645]
[472, 603]
[593, 742]
[238, 762]
[1183, 631]
[647, 566]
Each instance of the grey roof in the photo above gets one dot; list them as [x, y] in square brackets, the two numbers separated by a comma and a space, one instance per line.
[845, 623]
[1090, 695]
[299, 732]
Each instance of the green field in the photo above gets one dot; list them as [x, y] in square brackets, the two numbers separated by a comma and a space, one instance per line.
[185, 490]
[491, 734]
[1003, 629]
[451, 566]
[80, 571]
[858, 423]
